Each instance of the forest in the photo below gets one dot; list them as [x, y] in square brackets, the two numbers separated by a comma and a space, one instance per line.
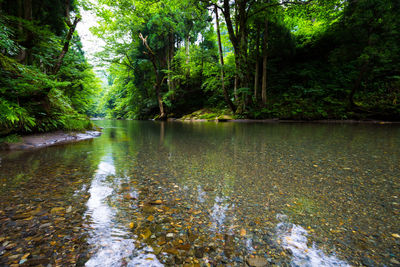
[256, 59]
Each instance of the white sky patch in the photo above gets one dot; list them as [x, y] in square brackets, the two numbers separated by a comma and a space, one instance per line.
[91, 44]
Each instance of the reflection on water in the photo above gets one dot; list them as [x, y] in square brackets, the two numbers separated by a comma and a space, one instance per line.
[218, 214]
[294, 238]
[112, 244]
[108, 238]
[152, 194]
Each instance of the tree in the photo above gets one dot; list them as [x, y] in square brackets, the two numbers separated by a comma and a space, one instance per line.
[221, 57]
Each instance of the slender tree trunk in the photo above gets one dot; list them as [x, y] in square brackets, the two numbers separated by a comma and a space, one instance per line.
[241, 53]
[169, 64]
[257, 73]
[265, 58]
[358, 83]
[233, 37]
[157, 87]
[221, 58]
[202, 61]
[187, 50]
[67, 41]
[26, 56]
[19, 14]
[235, 87]
[28, 10]
[363, 71]
[169, 60]
[157, 83]
[172, 54]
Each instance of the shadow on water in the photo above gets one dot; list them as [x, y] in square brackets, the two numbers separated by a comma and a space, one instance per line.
[169, 193]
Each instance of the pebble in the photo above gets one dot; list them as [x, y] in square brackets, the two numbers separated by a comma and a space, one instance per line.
[394, 261]
[257, 262]
[368, 262]
[170, 235]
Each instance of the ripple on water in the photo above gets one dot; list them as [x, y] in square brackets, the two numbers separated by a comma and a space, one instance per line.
[294, 238]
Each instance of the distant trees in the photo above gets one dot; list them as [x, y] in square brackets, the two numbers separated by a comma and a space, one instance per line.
[258, 58]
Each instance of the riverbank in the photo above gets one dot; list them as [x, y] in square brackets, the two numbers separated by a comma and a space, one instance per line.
[48, 139]
[287, 121]
[227, 116]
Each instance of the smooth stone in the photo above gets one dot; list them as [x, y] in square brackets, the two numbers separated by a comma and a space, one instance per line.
[394, 261]
[37, 261]
[257, 262]
[368, 262]
[57, 210]
[199, 252]
[178, 260]
[170, 235]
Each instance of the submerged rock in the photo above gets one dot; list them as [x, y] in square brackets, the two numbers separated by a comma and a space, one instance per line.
[257, 262]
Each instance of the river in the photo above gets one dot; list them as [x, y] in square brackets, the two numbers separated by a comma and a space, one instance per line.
[206, 194]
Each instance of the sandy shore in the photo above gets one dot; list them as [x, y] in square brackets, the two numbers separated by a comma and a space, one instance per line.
[49, 139]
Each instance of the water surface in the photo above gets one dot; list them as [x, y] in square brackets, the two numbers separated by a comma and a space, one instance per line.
[172, 193]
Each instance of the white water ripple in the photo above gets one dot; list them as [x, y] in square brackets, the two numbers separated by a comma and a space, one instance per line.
[294, 238]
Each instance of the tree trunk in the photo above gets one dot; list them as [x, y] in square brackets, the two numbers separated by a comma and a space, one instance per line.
[157, 87]
[235, 87]
[265, 58]
[28, 10]
[19, 15]
[187, 50]
[221, 58]
[26, 56]
[232, 36]
[170, 57]
[243, 45]
[157, 83]
[238, 37]
[358, 83]
[168, 63]
[172, 54]
[64, 51]
[257, 73]
[363, 71]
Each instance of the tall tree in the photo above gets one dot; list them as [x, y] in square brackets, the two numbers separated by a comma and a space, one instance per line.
[221, 58]
[264, 66]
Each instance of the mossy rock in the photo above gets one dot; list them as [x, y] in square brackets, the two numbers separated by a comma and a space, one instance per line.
[224, 117]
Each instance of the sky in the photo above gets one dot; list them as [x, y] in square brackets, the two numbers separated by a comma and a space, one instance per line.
[91, 44]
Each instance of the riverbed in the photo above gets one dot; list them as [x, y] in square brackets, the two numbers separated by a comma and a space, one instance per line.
[206, 194]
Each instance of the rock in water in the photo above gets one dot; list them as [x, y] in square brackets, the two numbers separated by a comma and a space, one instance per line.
[368, 262]
[257, 262]
[57, 210]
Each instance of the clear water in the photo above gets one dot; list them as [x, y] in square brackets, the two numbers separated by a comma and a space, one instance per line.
[172, 193]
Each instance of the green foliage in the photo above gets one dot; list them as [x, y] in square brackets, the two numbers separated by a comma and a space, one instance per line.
[32, 100]
[13, 138]
[325, 59]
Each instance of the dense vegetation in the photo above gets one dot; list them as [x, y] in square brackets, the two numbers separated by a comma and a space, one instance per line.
[259, 59]
[45, 81]
[314, 59]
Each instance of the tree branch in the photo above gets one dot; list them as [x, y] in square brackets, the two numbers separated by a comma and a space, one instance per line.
[64, 51]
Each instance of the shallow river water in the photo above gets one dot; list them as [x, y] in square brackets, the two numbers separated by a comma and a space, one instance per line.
[206, 194]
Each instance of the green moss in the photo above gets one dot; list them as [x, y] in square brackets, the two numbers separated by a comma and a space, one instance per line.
[209, 114]
[13, 138]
